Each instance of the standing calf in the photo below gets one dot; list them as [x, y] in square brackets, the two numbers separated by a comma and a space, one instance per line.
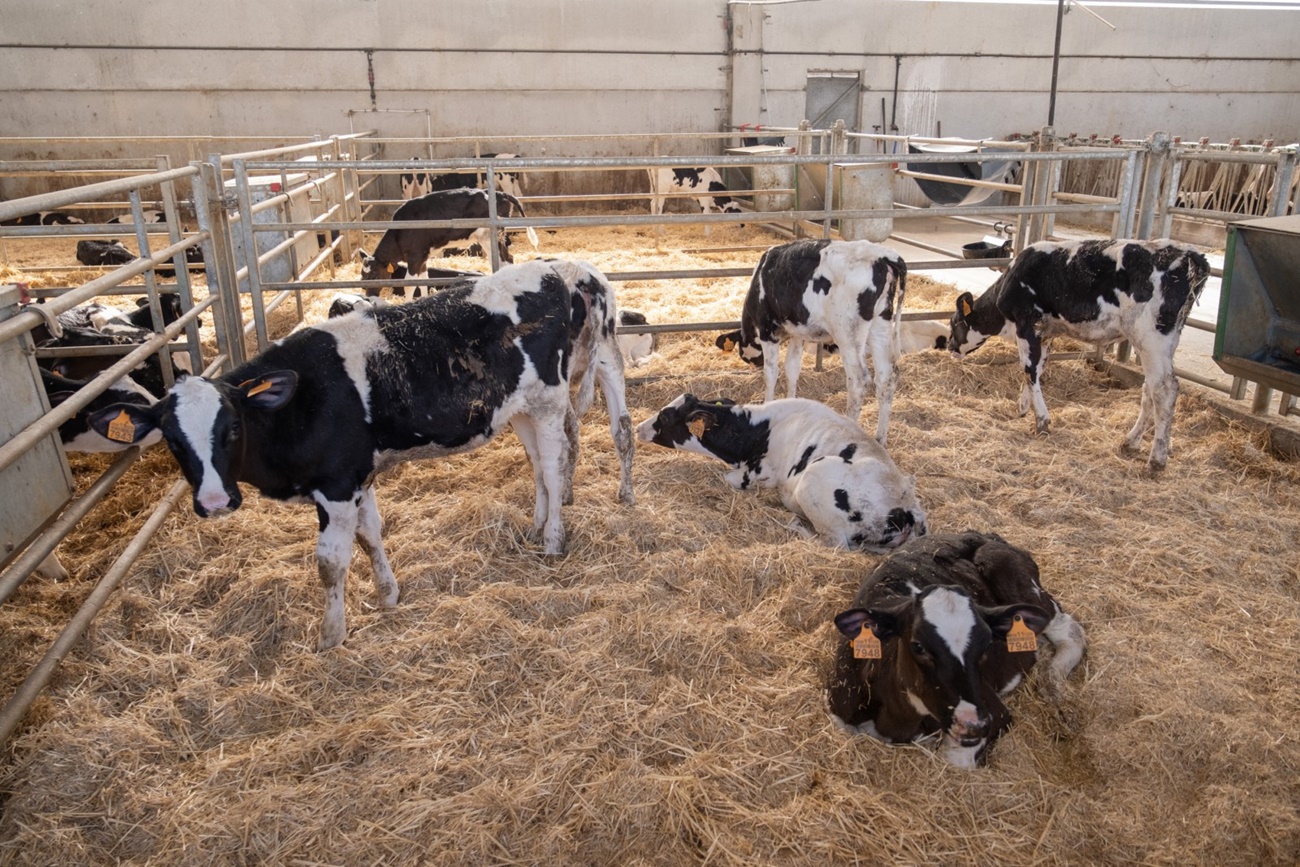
[933, 643]
[1099, 291]
[317, 415]
[842, 292]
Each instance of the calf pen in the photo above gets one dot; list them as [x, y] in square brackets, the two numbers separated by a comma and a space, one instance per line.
[655, 695]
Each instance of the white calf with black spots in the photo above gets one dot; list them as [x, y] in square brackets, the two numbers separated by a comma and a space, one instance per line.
[317, 415]
[826, 468]
[1099, 291]
[844, 292]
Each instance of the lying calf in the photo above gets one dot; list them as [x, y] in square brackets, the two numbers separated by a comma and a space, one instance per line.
[827, 469]
[938, 633]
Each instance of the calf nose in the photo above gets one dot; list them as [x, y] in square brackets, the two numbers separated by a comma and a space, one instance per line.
[968, 724]
[209, 503]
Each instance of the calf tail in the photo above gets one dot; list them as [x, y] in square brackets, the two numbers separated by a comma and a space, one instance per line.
[517, 208]
[900, 275]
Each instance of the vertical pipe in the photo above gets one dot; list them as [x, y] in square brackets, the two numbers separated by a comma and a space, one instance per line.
[1171, 194]
[286, 216]
[226, 284]
[1282, 179]
[1128, 186]
[1157, 153]
[1056, 62]
[244, 200]
[151, 288]
[184, 290]
[341, 191]
[494, 254]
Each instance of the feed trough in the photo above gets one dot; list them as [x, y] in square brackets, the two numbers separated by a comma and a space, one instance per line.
[1258, 333]
[989, 248]
[943, 193]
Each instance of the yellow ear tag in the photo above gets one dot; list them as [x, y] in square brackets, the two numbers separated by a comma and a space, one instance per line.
[696, 428]
[259, 388]
[390, 267]
[965, 307]
[121, 429]
[866, 645]
[1020, 638]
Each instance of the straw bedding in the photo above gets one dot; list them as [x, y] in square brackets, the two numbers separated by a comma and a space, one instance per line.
[655, 696]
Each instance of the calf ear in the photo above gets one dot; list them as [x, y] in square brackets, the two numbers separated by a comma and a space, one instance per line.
[965, 303]
[699, 421]
[123, 422]
[850, 622]
[1000, 619]
[361, 254]
[883, 622]
[270, 391]
[728, 342]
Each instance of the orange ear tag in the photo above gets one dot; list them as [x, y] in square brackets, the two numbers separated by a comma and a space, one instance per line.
[866, 645]
[696, 428]
[121, 429]
[965, 307]
[728, 346]
[259, 388]
[1020, 638]
[390, 267]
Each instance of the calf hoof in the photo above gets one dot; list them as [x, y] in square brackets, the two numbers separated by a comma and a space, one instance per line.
[388, 598]
[330, 639]
[1043, 426]
[1155, 468]
[627, 496]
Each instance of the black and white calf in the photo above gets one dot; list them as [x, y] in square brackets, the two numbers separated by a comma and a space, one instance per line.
[76, 433]
[826, 468]
[316, 416]
[938, 634]
[1099, 291]
[842, 292]
[128, 219]
[636, 348]
[414, 246]
[508, 182]
[704, 180]
[43, 218]
[103, 253]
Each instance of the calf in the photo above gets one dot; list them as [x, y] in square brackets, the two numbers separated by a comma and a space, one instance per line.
[510, 183]
[705, 180]
[103, 253]
[76, 433]
[842, 292]
[1099, 291]
[938, 634]
[415, 184]
[317, 415]
[148, 217]
[413, 246]
[826, 468]
[345, 302]
[636, 348]
[43, 218]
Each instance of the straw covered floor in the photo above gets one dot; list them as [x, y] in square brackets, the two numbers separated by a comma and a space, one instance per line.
[655, 696]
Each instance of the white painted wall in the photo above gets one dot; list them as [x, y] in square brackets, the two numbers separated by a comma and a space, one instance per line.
[520, 67]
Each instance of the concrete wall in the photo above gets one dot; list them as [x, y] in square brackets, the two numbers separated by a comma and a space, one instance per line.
[523, 67]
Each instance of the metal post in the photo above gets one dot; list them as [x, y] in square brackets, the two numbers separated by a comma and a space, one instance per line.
[220, 259]
[494, 255]
[245, 204]
[1285, 173]
[1263, 396]
[184, 290]
[151, 287]
[1128, 187]
[286, 216]
[1171, 192]
[1157, 154]
[341, 192]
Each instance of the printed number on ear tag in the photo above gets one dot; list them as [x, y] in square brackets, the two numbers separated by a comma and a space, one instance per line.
[121, 429]
[866, 645]
[696, 428]
[1020, 638]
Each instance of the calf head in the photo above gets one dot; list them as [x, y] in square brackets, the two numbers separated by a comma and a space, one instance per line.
[971, 326]
[203, 422]
[373, 269]
[940, 639]
[694, 425]
[749, 350]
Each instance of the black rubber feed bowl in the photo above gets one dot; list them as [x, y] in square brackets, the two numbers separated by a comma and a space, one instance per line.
[985, 250]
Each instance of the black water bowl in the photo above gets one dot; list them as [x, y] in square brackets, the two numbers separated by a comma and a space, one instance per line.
[985, 250]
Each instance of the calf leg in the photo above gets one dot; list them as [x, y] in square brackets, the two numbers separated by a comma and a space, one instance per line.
[527, 434]
[771, 368]
[1159, 396]
[884, 356]
[1033, 357]
[793, 364]
[546, 442]
[1068, 641]
[370, 536]
[609, 370]
[571, 432]
[338, 527]
[854, 357]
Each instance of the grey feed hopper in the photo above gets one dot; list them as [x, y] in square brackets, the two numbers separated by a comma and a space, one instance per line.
[1258, 334]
